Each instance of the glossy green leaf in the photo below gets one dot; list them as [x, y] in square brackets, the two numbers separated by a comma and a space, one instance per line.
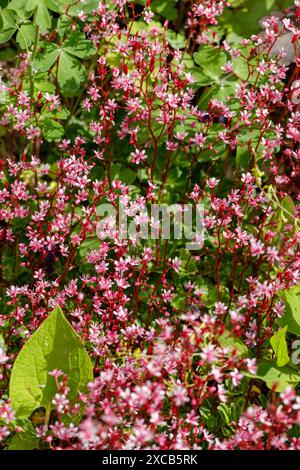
[62, 113]
[54, 345]
[288, 211]
[243, 158]
[18, 4]
[279, 345]
[87, 6]
[276, 377]
[291, 317]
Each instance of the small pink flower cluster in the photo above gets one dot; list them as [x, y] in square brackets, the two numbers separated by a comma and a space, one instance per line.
[152, 316]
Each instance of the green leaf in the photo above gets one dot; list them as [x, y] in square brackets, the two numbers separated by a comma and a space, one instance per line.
[86, 6]
[228, 340]
[274, 376]
[8, 25]
[41, 8]
[77, 45]
[291, 317]
[54, 345]
[278, 343]
[71, 73]
[43, 86]
[120, 173]
[197, 72]
[25, 36]
[25, 440]
[165, 8]
[52, 130]
[224, 411]
[289, 209]
[43, 17]
[18, 4]
[243, 158]
[8, 54]
[211, 59]
[46, 57]
[62, 113]
[177, 41]
[64, 25]
[88, 245]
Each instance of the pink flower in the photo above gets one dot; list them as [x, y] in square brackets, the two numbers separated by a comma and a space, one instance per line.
[138, 156]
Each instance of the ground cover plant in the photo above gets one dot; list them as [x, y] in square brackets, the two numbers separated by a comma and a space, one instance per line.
[147, 342]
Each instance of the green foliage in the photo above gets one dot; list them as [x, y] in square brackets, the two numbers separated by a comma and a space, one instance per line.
[165, 8]
[291, 318]
[25, 440]
[228, 340]
[8, 25]
[276, 377]
[40, 9]
[52, 130]
[244, 16]
[210, 59]
[71, 72]
[54, 345]
[279, 345]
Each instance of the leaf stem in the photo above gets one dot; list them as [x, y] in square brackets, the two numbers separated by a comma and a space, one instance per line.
[34, 51]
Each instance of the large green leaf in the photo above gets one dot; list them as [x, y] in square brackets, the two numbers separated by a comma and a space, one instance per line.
[8, 25]
[46, 57]
[211, 59]
[54, 345]
[77, 45]
[244, 19]
[25, 36]
[274, 376]
[41, 9]
[291, 318]
[278, 343]
[70, 73]
[43, 17]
